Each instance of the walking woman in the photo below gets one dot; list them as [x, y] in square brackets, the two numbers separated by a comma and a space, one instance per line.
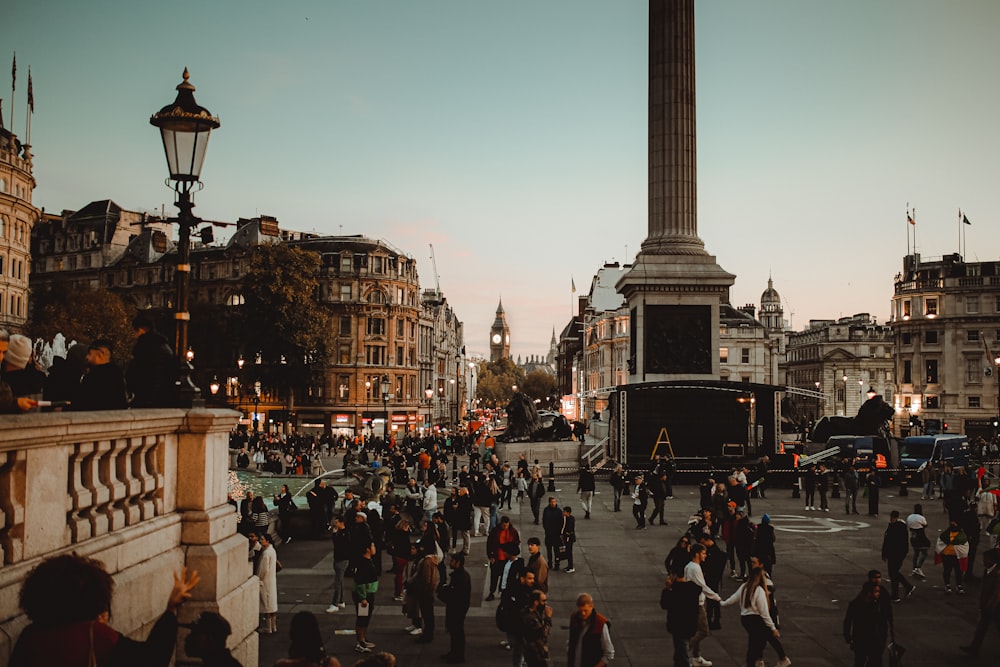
[260, 517]
[267, 572]
[286, 505]
[755, 615]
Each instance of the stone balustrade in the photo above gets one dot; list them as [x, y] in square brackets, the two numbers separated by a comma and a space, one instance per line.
[144, 492]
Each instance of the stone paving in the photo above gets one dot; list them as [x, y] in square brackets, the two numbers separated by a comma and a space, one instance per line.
[822, 561]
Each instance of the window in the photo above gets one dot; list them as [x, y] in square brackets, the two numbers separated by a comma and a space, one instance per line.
[235, 300]
[346, 264]
[399, 328]
[931, 337]
[345, 325]
[907, 371]
[972, 336]
[375, 355]
[344, 387]
[996, 305]
[376, 326]
[932, 371]
[376, 296]
[344, 354]
[932, 402]
[974, 402]
[932, 307]
[723, 355]
[905, 338]
[906, 309]
[972, 304]
[745, 355]
[345, 292]
[377, 264]
[973, 372]
[3, 235]
[399, 355]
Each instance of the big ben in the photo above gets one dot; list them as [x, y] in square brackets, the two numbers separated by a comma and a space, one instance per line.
[499, 336]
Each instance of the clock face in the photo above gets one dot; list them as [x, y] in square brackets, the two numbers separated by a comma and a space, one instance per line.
[496, 338]
[508, 339]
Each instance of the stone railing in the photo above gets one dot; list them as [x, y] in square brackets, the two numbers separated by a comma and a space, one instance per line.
[144, 492]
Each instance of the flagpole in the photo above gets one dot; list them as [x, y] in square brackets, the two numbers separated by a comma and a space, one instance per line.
[13, 87]
[28, 110]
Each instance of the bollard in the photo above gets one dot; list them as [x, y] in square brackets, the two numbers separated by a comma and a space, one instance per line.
[552, 477]
[454, 466]
[796, 486]
[903, 491]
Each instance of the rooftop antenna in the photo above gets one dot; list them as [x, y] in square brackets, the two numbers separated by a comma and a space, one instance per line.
[437, 280]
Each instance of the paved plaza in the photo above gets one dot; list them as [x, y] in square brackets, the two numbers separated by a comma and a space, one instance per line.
[822, 561]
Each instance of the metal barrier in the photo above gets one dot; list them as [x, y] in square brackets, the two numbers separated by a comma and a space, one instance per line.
[596, 456]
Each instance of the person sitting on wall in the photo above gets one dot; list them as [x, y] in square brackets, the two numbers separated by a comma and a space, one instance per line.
[68, 600]
[103, 385]
[9, 403]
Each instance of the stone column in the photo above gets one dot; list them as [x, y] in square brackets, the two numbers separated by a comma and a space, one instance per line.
[673, 192]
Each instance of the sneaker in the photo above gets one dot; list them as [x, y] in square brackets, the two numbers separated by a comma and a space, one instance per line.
[897, 599]
[409, 628]
[697, 660]
[332, 609]
[398, 598]
[826, 509]
[417, 632]
[910, 592]
[961, 590]
[570, 570]
[947, 589]
[361, 648]
[368, 644]
[920, 573]
[288, 540]
[784, 662]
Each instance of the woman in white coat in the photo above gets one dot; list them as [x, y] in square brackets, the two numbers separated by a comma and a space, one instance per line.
[267, 571]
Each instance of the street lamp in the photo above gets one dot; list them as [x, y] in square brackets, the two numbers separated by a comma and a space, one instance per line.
[385, 406]
[240, 362]
[368, 401]
[845, 394]
[429, 395]
[185, 128]
[256, 404]
[214, 386]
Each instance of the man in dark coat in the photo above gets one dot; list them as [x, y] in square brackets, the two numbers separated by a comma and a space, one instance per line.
[103, 386]
[457, 596]
[552, 523]
[153, 369]
[586, 487]
[866, 627]
[895, 545]
[680, 600]
[658, 491]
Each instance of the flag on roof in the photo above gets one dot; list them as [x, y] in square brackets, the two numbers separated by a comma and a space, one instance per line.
[965, 219]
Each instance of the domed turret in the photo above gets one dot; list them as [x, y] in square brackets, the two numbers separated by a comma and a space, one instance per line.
[771, 313]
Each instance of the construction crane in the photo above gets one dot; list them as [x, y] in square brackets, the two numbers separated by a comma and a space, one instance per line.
[437, 279]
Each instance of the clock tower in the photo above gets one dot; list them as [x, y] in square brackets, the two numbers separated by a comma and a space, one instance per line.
[499, 336]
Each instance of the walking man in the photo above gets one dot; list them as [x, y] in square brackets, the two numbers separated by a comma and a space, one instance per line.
[894, 548]
[680, 600]
[586, 487]
[589, 642]
[694, 574]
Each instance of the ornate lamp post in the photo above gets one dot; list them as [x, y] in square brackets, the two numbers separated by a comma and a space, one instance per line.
[845, 394]
[429, 396]
[184, 128]
[256, 404]
[385, 407]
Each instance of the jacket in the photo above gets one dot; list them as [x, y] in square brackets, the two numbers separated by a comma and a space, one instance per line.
[593, 637]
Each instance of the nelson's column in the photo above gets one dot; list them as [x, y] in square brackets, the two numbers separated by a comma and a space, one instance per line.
[674, 288]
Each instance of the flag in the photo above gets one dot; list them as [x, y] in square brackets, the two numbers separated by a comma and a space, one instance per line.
[909, 219]
[31, 94]
[965, 219]
[572, 284]
[13, 73]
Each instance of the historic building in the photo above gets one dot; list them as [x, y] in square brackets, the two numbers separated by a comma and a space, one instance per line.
[835, 363]
[390, 342]
[745, 349]
[500, 336]
[946, 328]
[17, 218]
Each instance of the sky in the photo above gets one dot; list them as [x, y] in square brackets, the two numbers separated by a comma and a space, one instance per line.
[511, 136]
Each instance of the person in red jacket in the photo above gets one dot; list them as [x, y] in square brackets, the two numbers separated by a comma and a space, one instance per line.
[589, 642]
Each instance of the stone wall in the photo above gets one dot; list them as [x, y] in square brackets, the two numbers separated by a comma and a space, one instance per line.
[144, 492]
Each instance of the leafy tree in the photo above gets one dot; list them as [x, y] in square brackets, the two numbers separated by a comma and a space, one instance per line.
[281, 317]
[496, 381]
[83, 313]
[539, 384]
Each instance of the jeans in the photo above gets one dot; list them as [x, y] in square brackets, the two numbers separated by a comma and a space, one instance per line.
[569, 555]
[757, 633]
[586, 501]
[618, 500]
[480, 515]
[896, 577]
[699, 634]
[516, 649]
[339, 569]
[639, 512]
[466, 540]
[681, 651]
[950, 564]
[494, 517]
[919, 556]
[850, 500]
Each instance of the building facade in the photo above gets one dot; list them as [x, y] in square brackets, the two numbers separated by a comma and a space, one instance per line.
[389, 342]
[946, 328]
[834, 363]
[17, 219]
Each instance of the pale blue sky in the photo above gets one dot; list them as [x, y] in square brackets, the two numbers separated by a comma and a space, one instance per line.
[512, 135]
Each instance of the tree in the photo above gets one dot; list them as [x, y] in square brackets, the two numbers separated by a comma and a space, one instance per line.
[82, 313]
[496, 381]
[539, 384]
[281, 318]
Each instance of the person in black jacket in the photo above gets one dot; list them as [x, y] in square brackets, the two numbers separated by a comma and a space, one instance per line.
[457, 597]
[865, 626]
[153, 370]
[552, 523]
[895, 545]
[586, 487]
[680, 600]
[103, 386]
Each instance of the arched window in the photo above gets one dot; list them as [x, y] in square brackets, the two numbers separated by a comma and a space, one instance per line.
[235, 300]
[376, 296]
[3, 227]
